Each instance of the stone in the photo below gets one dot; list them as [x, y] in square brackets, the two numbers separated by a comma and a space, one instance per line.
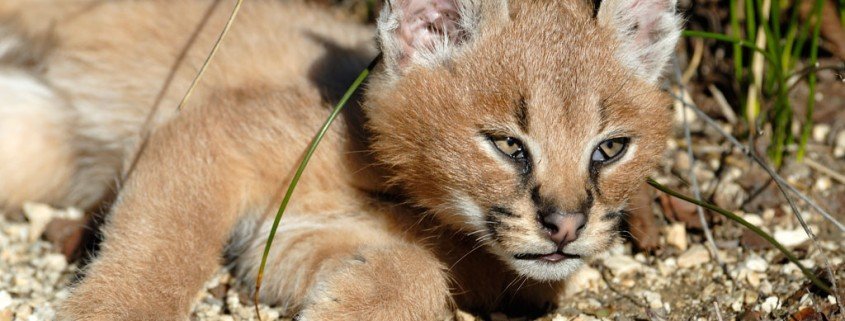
[38, 215]
[756, 263]
[5, 300]
[839, 145]
[823, 184]
[821, 132]
[586, 278]
[653, 299]
[791, 238]
[695, 256]
[6, 315]
[676, 236]
[621, 265]
[770, 304]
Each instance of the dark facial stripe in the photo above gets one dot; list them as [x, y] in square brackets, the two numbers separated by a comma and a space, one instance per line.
[612, 216]
[501, 211]
[522, 114]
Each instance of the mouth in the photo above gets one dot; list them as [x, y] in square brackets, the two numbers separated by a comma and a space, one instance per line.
[553, 257]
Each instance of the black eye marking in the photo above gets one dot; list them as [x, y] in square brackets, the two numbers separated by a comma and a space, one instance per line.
[610, 151]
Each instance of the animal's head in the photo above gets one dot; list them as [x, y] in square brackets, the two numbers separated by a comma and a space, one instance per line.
[527, 124]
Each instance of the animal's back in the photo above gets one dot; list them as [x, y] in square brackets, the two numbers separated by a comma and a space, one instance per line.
[110, 64]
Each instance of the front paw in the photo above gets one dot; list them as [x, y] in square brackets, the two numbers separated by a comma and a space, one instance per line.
[395, 283]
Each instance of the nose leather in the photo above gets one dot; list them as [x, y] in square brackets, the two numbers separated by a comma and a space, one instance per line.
[564, 228]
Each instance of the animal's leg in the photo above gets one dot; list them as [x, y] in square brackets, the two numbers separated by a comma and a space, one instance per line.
[37, 153]
[345, 269]
[167, 229]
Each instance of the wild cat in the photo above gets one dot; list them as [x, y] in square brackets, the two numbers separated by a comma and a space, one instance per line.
[491, 154]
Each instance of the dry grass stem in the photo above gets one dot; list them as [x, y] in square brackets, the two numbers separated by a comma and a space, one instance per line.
[724, 106]
[714, 250]
[825, 170]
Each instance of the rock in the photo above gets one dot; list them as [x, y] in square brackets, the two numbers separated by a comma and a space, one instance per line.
[770, 304]
[5, 300]
[644, 228]
[791, 238]
[68, 235]
[677, 210]
[729, 196]
[839, 145]
[6, 315]
[621, 265]
[676, 235]
[586, 278]
[682, 162]
[821, 132]
[756, 263]
[696, 255]
[653, 299]
[823, 184]
[38, 215]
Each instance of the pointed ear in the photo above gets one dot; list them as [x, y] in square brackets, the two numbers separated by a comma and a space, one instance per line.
[647, 31]
[429, 32]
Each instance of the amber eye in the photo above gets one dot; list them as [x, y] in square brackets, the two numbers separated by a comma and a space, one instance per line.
[610, 150]
[510, 146]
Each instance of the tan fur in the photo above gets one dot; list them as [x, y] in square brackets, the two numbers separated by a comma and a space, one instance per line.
[391, 220]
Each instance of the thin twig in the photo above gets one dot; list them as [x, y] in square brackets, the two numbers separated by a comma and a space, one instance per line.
[825, 170]
[718, 313]
[694, 180]
[727, 111]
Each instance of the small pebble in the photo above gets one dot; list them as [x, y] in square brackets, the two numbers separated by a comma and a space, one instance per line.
[820, 132]
[695, 256]
[770, 304]
[676, 236]
[839, 147]
[791, 238]
[5, 300]
[756, 263]
[823, 184]
[586, 278]
[622, 265]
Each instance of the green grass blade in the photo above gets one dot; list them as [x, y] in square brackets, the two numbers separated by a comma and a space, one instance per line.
[842, 13]
[295, 180]
[811, 79]
[750, 21]
[726, 38]
[737, 34]
[736, 218]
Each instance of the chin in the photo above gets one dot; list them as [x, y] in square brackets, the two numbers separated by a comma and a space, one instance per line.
[541, 270]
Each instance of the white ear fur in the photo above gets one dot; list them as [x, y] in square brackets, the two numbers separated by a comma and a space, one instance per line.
[647, 30]
[429, 32]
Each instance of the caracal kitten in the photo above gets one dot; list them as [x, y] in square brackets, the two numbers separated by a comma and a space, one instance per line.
[490, 154]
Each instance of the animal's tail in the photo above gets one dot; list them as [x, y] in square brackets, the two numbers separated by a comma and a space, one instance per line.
[37, 156]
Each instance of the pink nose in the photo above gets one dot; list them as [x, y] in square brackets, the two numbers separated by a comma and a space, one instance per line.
[564, 228]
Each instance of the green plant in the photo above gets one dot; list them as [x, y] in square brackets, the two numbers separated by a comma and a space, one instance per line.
[775, 46]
